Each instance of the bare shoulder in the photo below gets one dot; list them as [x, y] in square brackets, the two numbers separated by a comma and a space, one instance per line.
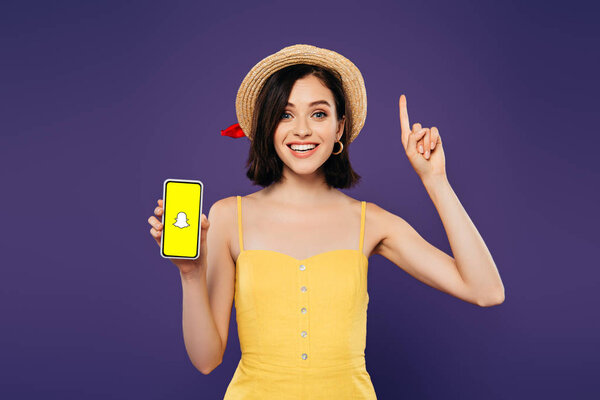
[223, 208]
[223, 219]
[381, 215]
[378, 213]
[378, 222]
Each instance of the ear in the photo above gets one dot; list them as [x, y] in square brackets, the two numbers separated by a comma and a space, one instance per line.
[340, 130]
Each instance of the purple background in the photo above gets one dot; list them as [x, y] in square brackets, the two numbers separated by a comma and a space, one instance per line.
[102, 101]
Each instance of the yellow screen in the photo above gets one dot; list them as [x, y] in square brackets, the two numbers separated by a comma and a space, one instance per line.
[181, 219]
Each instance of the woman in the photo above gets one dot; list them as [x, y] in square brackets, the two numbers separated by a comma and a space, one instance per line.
[295, 260]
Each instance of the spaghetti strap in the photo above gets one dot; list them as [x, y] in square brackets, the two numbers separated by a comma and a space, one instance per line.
[362, 225]
[239, 218]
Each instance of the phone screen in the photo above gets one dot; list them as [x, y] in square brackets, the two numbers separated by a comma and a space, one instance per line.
[182, 208]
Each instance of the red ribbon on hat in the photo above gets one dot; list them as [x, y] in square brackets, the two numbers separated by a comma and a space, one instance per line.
[233, 131]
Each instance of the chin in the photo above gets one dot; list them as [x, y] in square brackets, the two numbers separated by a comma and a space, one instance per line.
[303, 171]
[311, 169]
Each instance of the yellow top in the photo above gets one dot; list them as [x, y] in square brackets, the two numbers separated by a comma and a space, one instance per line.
[302, 324]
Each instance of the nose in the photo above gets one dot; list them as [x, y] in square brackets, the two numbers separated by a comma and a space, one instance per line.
[302, 128]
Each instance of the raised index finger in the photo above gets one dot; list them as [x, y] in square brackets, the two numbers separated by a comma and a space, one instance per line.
[404, 123]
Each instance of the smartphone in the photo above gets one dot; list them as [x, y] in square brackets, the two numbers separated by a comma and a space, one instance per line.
[182, 209]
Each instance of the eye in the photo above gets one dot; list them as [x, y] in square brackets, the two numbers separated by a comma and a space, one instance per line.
[318, 112]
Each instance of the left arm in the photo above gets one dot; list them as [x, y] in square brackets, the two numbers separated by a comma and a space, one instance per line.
[472, 274]
[472, 257]
[471, 277]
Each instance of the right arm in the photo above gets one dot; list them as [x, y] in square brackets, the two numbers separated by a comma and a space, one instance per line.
[208, 291]
[208, 295]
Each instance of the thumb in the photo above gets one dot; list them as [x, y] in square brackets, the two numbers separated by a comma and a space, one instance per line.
[414, 137]
[204, 222]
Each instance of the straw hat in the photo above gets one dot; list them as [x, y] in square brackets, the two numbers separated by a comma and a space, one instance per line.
[352, 82]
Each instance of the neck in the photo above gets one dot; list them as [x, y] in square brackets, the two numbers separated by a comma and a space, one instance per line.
[305, 190]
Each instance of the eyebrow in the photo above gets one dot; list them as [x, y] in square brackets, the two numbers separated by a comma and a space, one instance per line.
[314, 103]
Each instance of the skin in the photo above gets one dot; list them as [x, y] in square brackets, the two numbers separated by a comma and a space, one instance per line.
[302, 217]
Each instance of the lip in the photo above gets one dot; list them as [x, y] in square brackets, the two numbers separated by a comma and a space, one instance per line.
[305, 154]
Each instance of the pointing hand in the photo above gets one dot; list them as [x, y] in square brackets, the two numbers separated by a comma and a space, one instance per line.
[423, 146]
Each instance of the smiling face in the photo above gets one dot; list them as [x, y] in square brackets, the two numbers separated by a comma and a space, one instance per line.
[310, 118]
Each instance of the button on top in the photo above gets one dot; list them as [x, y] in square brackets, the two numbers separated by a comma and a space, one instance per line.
[303, 333]
[303, 310]
[302, 267]
[303, 288]
[304, 356]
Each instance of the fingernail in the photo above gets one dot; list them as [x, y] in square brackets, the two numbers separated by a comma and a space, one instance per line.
[420, 148]
[432, 144]
[427, 154]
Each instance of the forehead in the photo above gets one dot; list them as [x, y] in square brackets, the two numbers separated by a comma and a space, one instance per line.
[308, 89]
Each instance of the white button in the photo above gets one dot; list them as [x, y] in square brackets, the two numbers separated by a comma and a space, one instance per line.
[303, 333]
[302, 267]
[303, 310]
[303, 288]
[304, 356]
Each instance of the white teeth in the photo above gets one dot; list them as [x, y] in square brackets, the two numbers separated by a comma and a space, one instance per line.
[303, 146]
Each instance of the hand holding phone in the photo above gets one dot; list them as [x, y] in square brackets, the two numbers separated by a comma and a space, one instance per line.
[183, 241]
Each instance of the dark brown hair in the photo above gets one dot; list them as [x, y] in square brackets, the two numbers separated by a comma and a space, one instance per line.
[264, 165]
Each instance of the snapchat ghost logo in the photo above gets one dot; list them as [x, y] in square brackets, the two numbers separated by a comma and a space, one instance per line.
[181, 220]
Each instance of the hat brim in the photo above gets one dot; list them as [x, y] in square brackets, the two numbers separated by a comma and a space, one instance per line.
[352, 82]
